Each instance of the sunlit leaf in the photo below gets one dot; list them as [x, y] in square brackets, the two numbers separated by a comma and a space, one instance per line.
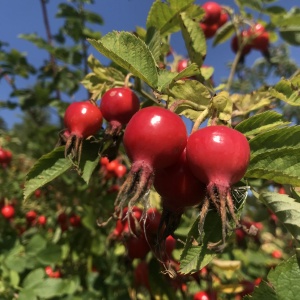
[164, 17]
[276, 140]
[194, 39]
[287, 90]
[261, 123]
[130, 53]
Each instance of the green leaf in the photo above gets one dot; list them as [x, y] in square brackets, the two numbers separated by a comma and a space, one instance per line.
[285, 279]
[263, 291]
[254, 4]
[261, 123]
[224, 33]
[207, 72]
[286, 209]
[14, 278]
[194, 258]
[130, 53]
[164, 17]
[92, 17]
[291, 35]
[27, 294]
[16, 260]
[36, 244]
[280, 165]
[167, 78]
[275, 10]
[89, 218]
[191, 90]
[33, 278]
[38, 41]
[89, 160]
[67, 11]
[47, 168]
[287, 90]
[276, 139]
[153, 40]
[50, 255]
[246, 103]
[292, 19]
[54, 287]
[194, 39]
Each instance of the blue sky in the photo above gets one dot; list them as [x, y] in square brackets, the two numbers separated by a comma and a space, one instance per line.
[19, 16]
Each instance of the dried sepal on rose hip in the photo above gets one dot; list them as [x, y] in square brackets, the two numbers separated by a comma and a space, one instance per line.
[154, 138]
[218, 156]
[82, 120]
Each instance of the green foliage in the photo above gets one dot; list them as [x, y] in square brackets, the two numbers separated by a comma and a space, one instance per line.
[48, 168]
[131, 53]
[286, 209]
[261, 102]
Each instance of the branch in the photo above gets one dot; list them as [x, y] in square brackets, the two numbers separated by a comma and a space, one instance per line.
[50, 41]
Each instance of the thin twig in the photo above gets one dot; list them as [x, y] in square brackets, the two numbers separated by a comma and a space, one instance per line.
[50, 41]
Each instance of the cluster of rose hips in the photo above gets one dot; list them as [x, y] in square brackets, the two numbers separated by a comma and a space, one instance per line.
[112, 168]
[139, 235]
[5, 157]
[84, 119]
[214, 18]
[33, 218]
[8, 212]
[254, 38]
[52, 273]
[65, 221]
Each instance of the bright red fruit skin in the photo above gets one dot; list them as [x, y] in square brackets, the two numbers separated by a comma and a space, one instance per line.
[83, 119]
[212, 12]
[2, 155]
[223, 18]
[75, 220]
[120, 170]
[137, 247]
[119, 104]
[8, 211]
[261, 37]
[209, 30]
[182, 64]
[218, 154]
[177, 185]
[52, 274]
[31, 216]
[141, 275]
[5, 157]
[152, 221]
[155, 137]
[203, 295]
[42, 220]
[170, 245]
[235, 43]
